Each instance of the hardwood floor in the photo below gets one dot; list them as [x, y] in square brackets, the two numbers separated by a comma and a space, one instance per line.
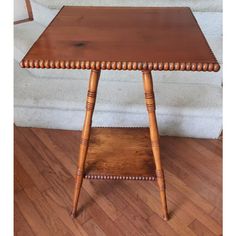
[45, 163]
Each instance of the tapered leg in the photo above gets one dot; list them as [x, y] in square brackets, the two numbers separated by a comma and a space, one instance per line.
[91, 99]
[154, 135]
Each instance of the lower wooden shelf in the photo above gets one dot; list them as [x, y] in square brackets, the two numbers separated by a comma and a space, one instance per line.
[120, 153]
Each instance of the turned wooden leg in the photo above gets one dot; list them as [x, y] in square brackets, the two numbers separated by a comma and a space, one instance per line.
[84, 142]
[154, 135]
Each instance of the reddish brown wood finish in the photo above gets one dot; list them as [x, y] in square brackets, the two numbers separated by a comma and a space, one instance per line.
[122, 38]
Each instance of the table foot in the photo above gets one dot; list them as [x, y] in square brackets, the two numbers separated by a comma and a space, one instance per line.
[73, 214]
[165, 217]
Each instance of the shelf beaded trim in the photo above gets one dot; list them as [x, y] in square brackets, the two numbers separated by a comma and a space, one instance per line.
[117, 177]
[112, 65]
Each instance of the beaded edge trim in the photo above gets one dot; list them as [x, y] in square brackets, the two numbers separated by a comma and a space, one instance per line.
[118, 177]
[98, 65]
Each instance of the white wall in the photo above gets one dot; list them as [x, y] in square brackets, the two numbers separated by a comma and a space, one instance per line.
[20, 10]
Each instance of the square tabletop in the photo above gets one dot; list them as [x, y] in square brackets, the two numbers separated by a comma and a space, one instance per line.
[123, 38]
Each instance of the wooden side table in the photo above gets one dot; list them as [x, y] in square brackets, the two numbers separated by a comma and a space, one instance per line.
[122, 38]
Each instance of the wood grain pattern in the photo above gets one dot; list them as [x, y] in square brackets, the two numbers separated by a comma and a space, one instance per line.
[134, 38]
[21, 226]
[114, 207]
[126, 160]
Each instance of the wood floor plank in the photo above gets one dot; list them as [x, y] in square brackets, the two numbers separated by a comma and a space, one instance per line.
[21, 227]
[66, 140]
[191, 180]
[17, 186]
[211, 179]
[214, 146]
[50, 218]
[31, 215]
[102, 200]
[201, 152]
[64, 197]
[126, 226]
[30, 168]
[139, 222]
[199, 160]
[58, 152]
[47, 155]
[161, 226]
[188, 192]
[217, 146]
[133, 199]
[62, 213]
[179, 228]
[143, 195]
[193, 210]
[30, 150]
[175, 200]
[200, 229]
[95, 211]
[92, 228]
[105, 223]
[216, 214]
[21, 176]
[202, 217]
[115, 197]
[154, 203]
[188, 208]
[88, 208]
[205, 156]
